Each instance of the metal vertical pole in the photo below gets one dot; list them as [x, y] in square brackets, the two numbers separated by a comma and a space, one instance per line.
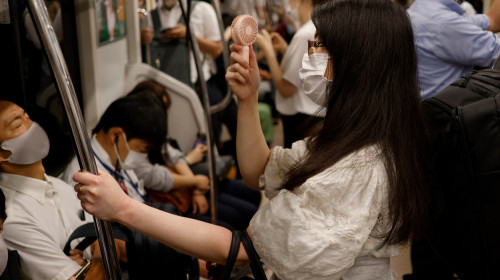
[225, 56]
[206, 108]
[65, 87]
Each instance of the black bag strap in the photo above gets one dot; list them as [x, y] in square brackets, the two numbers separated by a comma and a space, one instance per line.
[231, 257]
[88, 232]
[255, 264]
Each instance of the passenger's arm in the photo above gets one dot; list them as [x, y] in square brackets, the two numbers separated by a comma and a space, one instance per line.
[212, 48]
[251, 147]
[184, 177]
[494, 16]
[284, 87]
[200, 182]
[102, 197]
[454, 43]
[197, 154]
[160, 178]
[199, 203]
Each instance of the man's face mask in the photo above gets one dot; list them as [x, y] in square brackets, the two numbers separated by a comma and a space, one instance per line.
[30, 147]
[312, 75]
[133, 158]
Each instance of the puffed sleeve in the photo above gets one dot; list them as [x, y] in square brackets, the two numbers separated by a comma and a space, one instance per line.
[318, 230]
[280, 161]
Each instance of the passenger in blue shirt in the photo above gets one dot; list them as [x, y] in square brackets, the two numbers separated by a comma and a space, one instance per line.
[451, 43]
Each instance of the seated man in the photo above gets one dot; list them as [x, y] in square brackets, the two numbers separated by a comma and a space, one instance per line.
[121, 141]
[127, 130]
[43, 211]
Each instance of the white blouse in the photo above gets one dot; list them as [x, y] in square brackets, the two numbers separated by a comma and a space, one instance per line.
[327, 228]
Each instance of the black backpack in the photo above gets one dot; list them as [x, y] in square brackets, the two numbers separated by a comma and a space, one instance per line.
[464, 123]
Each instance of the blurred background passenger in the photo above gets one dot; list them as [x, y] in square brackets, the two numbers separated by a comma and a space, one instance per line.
[451, 43]
[167, 170]
[291, 102]
[171, 54]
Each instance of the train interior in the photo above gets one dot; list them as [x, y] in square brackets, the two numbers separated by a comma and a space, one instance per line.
[101, 70]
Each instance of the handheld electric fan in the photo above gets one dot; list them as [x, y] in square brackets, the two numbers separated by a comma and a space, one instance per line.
[244, 32]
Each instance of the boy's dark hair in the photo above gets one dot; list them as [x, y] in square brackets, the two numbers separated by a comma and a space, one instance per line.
[155, 87]
[3, 214]
[141, 116]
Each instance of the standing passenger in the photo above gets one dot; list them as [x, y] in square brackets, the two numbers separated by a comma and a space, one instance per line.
[450, 43]
[291, 102]
[341, 201]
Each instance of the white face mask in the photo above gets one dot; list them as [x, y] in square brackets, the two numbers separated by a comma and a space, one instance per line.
[292, 14]
[4, 255]
[312, 75]
[133, 158]
[30, 147]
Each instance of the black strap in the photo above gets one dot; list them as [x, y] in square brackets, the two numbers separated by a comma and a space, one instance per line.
[231, 257]
[88, 231]
[255, 264]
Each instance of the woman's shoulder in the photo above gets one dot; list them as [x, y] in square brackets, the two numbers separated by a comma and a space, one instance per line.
[363, 169]
[367, 156]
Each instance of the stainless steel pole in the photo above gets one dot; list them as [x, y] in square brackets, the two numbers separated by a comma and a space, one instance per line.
[225, 56]
[65, 87]
[145, 24]
[206, 110]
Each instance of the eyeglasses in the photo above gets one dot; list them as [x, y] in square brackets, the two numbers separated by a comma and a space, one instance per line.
[314, 44]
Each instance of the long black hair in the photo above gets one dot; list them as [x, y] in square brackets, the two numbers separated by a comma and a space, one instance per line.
[373, 100]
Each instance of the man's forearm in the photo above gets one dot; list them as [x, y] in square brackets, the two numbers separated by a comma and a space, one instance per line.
[212, 48]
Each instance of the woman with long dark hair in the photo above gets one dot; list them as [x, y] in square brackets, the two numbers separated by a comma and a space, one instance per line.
[344, 199]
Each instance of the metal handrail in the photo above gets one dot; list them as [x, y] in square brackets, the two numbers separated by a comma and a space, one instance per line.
[47, 37]
[225, 56]
[206, 110]
[144, 13]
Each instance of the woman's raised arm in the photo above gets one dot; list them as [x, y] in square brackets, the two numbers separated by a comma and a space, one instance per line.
[251, 147]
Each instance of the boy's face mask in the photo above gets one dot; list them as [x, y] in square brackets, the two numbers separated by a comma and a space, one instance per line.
[29, 147]
[133, 158]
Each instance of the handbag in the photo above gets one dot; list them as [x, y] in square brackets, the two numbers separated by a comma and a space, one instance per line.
[179, 198]
[223, 272]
